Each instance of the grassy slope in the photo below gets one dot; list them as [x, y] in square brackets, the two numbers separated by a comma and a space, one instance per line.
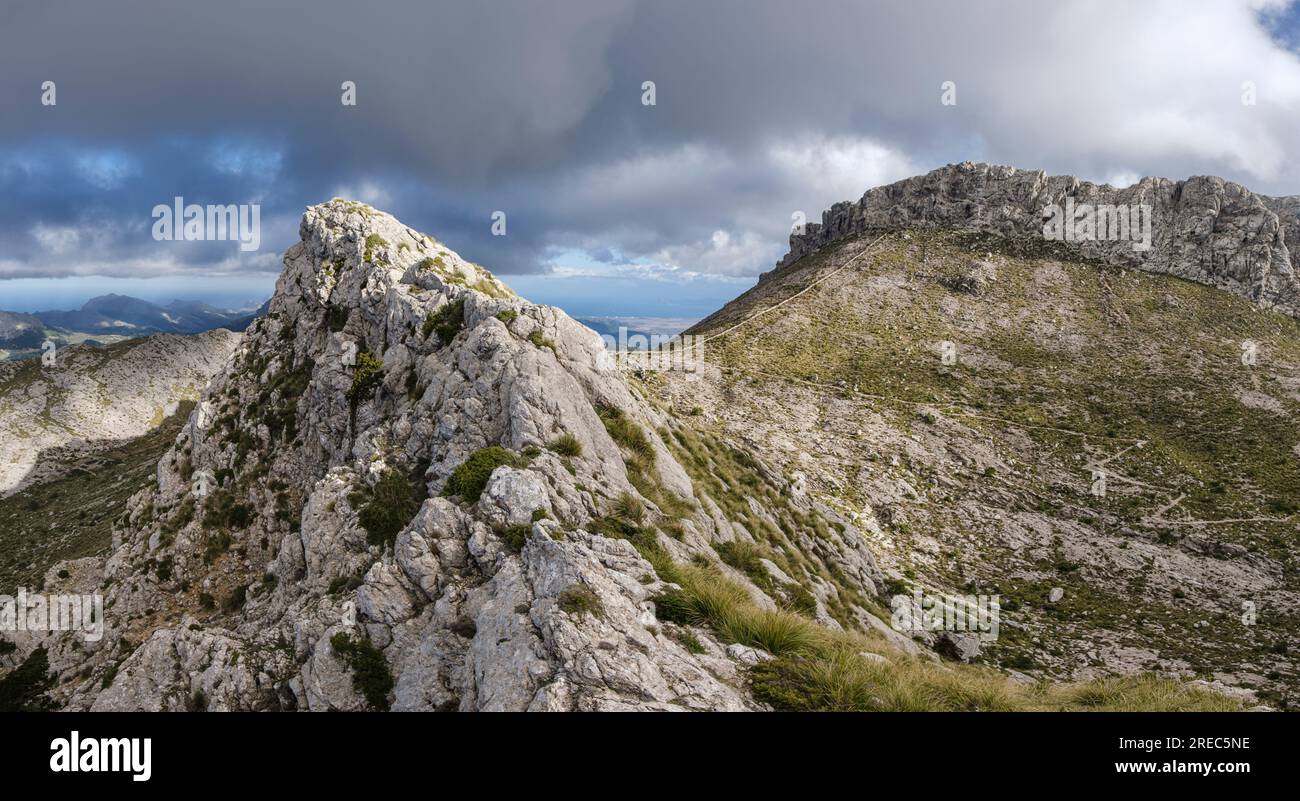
[817, 667]
[72, 517]
[1109, 357]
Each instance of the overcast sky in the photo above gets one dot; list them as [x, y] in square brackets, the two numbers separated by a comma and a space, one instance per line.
[535, 109]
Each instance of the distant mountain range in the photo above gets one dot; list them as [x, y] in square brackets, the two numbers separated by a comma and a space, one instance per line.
[112, 318]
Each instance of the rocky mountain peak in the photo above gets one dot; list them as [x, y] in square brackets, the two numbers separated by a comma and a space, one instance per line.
[411, 489]
[1204, 229]
[343, 234]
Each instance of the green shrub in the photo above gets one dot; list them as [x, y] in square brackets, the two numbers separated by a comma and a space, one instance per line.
[220, 511]
[345, 584]
[163, 569]
[471, 477]
[391, 504]
[370, 673]
[374, 241]
[179, 520]
[23, 689]
[336, 317]
[367, 377]
[216, 543]
[280, 400]
[235, 600]
[515, 536]
[447, 321]
[508, 316]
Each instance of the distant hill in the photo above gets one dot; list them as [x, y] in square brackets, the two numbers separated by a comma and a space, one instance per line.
[113, 318]
[20, 331]
[119, 314]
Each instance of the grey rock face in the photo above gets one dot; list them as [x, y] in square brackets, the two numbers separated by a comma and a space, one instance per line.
[385, 358]
[1204, 229]
[957, 646]
[92, 394]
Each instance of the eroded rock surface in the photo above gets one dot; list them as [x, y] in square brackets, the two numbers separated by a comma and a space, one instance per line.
[1205, 229]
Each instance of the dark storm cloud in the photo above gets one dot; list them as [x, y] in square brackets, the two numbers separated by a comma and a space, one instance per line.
[465, 108]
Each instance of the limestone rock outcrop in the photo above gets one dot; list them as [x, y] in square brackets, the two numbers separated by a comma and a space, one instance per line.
[1204, 229]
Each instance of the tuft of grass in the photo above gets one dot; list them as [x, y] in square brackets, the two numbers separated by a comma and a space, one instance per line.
[579, 599]
[540, 340]
[566, 445]
[690, 642]
[626, 434]
[629, 507]
[777, 631]
[817, 669]
[675, 606]
[508, 316]
[471, 477]
[744, 556]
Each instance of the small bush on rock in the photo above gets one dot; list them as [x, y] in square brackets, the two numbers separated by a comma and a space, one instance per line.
[369, 374]
[469, 480]
[391, 505]
[370, 673]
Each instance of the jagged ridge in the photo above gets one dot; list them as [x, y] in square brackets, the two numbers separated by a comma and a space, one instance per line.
[1206, 229]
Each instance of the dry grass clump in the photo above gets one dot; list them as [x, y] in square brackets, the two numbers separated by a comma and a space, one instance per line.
[819, 669]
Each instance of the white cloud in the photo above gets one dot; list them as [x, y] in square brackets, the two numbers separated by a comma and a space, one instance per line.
[838, 168]
[56, 240]
[367, 192]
